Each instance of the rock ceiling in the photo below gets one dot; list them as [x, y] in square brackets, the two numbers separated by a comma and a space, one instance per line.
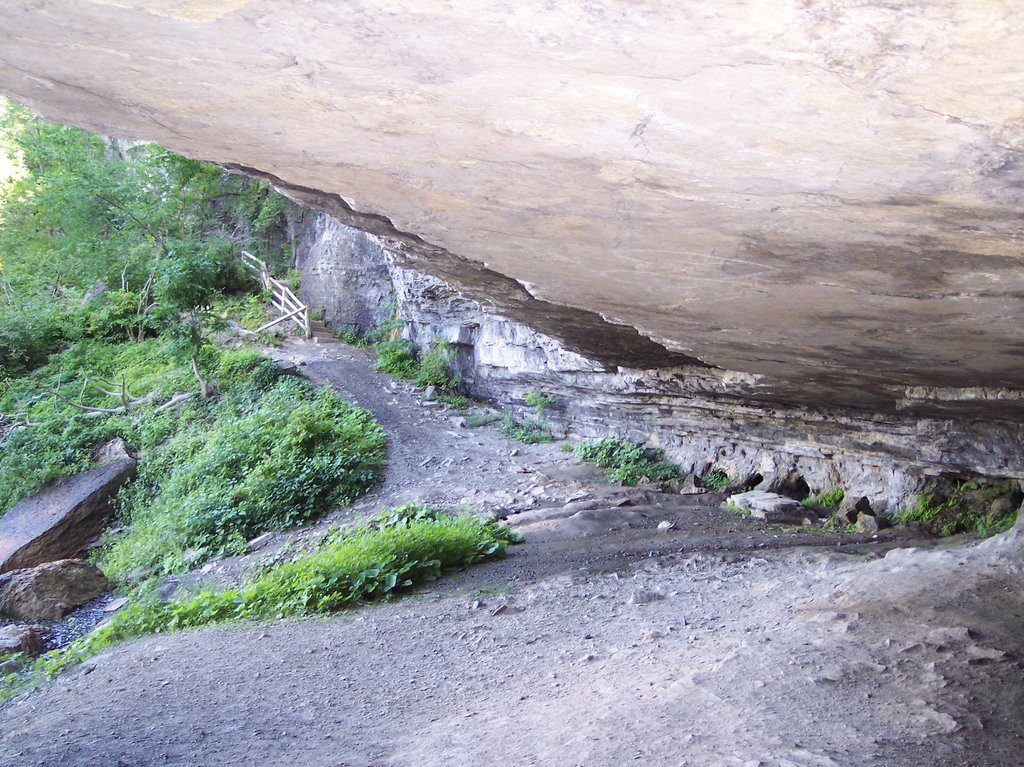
[824, 194]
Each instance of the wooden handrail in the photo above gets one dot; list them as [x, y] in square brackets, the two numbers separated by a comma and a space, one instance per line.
[286, 302]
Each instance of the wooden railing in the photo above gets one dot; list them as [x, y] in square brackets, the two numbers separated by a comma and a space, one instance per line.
[281, 296]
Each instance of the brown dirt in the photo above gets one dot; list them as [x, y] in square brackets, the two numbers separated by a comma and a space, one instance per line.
[601, 641]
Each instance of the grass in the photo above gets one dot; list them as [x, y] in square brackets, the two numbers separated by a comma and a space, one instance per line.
[627, 462]
[827, 499]
[402, 547]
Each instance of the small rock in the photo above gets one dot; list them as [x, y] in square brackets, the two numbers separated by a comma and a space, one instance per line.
[851, 509]
[1001, 507]
[645, 596]
[24, 639]
[867, 524]
[771, 507]
[666, 525]
[258, 542]
[117, 604]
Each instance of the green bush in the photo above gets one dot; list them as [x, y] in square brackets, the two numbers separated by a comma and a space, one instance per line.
[62, 438]
[434, 368]
[396, 358]
[529, 431]
[261, 462]
[625, 461]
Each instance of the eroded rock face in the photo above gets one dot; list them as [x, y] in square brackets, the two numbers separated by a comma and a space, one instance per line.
[699, 415]
[822, 196]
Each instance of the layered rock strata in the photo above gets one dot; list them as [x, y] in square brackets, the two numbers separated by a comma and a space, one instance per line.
[702, 416]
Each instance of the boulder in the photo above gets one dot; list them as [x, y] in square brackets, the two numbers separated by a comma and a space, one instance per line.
[772, 507]
[851, 509]
[24, 639]
[61, 519]
[49, 591]
[867, 524]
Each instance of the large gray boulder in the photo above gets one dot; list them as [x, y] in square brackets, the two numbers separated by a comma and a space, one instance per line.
[57, 522]
[50, 591]
[772, 507]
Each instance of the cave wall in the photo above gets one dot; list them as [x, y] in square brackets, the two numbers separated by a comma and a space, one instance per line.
[699, 415]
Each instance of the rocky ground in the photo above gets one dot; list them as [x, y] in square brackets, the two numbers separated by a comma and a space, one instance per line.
[603, 640]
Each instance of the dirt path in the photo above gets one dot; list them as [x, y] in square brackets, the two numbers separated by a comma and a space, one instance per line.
[601, 641]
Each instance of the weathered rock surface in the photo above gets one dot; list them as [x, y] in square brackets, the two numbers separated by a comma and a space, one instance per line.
[822, 196]
[58, 521]
[698, 415]
[772, 507]
[49, 591]
[16, 638]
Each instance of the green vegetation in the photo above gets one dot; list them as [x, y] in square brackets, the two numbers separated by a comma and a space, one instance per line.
[146, 237]
[964, 507]
[538, 401]
[404, 546]
[399, 358]
[827, 499]
[262, 460]
[716, 479]
[528, 430]
[627, 462]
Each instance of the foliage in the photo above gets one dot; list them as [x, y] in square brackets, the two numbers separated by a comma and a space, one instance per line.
[827, 499]
[626, 461]
[475, 421]
[370, 562]
[529, 431]
[62, 438]
[967, 506]
[154, 233]
[716, 479]
[432, 368]
[538, 401]
[264, 459]
[396, 358]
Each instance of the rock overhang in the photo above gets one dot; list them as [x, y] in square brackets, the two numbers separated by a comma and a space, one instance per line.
[825, 196]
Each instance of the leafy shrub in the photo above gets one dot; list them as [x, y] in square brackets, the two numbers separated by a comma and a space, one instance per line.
[396, 358]
[257, 465]
[625, 461]
[30, 332]
[399, 358]
[716, 479]
[965, 507]
[434, 368]
[538, 401]
[529, 431]
[62, 438]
